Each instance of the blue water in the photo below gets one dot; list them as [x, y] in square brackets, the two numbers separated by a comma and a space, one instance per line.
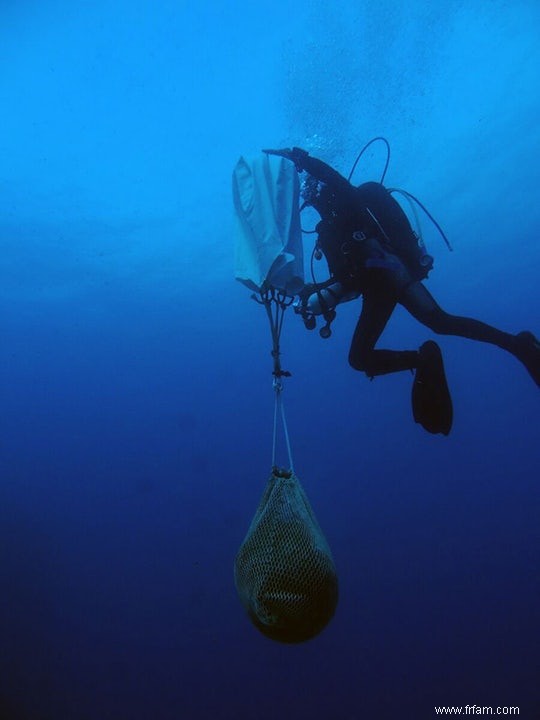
[136, 397]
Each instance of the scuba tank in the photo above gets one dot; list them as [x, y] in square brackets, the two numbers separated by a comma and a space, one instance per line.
[322, 300]
[425, 260]
[326, 299]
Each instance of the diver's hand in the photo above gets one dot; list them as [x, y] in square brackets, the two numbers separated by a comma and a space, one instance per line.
[295, 155]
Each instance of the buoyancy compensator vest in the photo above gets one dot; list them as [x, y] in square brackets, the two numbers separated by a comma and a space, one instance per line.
[384, 219]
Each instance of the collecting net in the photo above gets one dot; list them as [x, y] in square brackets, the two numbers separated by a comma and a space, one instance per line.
[284, 571]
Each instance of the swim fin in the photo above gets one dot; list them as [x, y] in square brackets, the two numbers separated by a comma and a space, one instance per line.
[431, 400]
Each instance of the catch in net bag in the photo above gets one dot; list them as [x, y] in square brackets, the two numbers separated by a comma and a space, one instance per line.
[284, 571]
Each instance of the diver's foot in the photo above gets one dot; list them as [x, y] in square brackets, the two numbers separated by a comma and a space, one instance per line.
[528, 351]
[431, 400]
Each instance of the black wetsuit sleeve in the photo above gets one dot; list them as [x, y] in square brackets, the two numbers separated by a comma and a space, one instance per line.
[323, 172]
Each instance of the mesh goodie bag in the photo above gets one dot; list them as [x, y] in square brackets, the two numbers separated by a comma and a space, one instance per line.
[284, 571]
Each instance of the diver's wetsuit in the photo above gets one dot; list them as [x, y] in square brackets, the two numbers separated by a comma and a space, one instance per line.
[378, 267]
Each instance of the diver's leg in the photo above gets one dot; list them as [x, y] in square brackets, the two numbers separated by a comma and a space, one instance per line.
[432, 404]
[422, 306]
[377, 306]
[417, 299]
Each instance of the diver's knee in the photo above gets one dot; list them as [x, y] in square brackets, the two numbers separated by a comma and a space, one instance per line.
[436, 321]
[355, 361]
[360, 361]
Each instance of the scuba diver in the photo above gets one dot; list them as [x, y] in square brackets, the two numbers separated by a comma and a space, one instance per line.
[372, 250]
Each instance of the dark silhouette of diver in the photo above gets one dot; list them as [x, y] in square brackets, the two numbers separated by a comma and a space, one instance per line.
[372, 250]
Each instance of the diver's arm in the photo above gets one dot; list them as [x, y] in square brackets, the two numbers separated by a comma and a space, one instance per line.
[326, 174]
[315, 167]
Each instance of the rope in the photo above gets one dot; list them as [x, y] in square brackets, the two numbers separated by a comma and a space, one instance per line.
[275, 303]
[274, 434]
[286, 432]
[278, 405]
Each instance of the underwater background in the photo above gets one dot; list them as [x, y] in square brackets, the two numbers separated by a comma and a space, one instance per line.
[135, 372]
